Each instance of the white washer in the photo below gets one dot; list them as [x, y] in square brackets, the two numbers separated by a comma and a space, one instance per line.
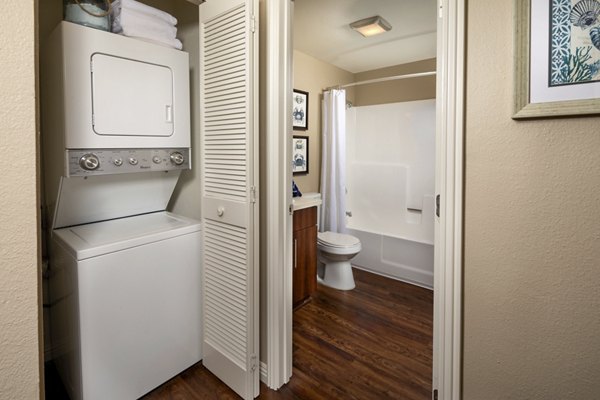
[127, 309]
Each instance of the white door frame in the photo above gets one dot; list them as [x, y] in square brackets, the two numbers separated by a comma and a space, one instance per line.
[449, 184]
[447, 286]
[278, 192]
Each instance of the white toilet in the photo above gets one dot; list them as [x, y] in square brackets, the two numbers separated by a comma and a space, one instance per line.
[335, 250]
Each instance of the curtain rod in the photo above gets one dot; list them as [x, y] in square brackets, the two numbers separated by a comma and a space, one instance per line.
[387, 78]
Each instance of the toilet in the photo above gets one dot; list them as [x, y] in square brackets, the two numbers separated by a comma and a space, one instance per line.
[335, 250]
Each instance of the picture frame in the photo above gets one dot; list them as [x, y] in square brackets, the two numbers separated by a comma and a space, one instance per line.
[300, 110]
[557, 59]
[300, 155]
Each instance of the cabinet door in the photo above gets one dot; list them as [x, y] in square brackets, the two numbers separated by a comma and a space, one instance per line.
[299, 289]
[305, 263]
[310, 259]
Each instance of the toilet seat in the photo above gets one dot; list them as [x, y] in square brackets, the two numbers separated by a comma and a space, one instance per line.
[338, 243]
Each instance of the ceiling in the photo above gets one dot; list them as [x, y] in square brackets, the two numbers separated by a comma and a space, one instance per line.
[321, 30]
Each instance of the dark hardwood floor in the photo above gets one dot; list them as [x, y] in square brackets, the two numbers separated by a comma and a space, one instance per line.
[374, 342]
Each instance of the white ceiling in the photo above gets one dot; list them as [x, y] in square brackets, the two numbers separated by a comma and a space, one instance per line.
[321, 30]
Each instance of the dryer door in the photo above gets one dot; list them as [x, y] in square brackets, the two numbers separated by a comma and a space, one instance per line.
[131, 98]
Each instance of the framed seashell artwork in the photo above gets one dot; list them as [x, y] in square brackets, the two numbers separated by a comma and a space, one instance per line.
[300, 155]
[300, 110]
[557, 58]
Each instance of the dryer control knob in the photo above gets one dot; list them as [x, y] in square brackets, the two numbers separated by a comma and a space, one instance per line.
[89, 162]
[177, 158]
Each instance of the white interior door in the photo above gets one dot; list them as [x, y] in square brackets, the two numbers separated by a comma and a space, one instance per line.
[229, 132]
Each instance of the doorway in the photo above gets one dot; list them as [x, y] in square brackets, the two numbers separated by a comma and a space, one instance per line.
[450, 29]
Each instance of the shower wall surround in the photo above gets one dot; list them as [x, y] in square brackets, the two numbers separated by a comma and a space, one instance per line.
[390, 180]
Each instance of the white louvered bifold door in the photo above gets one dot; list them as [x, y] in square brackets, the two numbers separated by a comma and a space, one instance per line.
[229, 140]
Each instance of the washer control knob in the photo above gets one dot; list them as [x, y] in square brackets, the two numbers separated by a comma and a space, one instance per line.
[177, 158]
[133, 161]
[156, 160]
[118, 161]
[89, 162]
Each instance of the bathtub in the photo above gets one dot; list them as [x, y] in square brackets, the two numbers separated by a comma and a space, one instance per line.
[390, 180]
[408, 258]
[394, 257]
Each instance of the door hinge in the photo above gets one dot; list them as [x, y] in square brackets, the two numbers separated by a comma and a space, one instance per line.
[291, 209]
[437, 205]
[253, 194]
[253, 24]
[253, 363]
[441, 10]
[435, 394]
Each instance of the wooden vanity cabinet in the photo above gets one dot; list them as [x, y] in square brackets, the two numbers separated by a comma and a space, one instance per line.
[305, 255]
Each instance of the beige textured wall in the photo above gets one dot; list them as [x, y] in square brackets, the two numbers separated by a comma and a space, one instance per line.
[187, 194]
[396, 91]
[19, 219]
[532, 235]
[312, 76]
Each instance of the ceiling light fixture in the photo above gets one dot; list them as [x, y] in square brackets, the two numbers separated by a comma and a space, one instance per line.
[371, 26]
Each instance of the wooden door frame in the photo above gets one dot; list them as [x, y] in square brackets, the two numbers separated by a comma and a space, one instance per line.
[447, 333]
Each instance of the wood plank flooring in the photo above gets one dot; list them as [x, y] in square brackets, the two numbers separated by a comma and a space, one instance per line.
[374, 342]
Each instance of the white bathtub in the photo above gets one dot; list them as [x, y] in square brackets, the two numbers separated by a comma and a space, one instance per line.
[407, 258]
[390, 175]
[397, 258]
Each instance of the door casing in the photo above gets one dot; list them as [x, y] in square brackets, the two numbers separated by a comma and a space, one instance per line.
[449, 185]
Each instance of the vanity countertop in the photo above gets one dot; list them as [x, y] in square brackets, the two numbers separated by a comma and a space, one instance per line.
[300, 203]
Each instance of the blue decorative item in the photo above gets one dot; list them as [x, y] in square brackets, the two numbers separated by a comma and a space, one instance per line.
[295, 190]
[595, 36]
[560, 41]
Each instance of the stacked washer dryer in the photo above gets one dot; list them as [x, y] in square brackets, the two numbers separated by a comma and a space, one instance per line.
[125, 285]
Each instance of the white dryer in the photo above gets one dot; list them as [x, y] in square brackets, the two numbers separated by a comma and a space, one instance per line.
[125, 274]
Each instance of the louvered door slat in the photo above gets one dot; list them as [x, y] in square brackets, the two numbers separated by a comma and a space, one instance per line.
[217, 25]
[223, 88]
[237, 95]
[226, 59]
[226, 90]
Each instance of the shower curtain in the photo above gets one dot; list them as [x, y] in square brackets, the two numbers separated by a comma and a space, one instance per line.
[333, 167]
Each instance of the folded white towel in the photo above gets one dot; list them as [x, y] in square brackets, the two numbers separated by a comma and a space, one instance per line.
[174, 43]
[131, 18]
[137, 6]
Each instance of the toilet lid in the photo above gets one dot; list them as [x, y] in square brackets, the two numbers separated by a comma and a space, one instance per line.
[334, 239]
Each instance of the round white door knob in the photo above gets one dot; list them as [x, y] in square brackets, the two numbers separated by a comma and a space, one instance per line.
[220, 211]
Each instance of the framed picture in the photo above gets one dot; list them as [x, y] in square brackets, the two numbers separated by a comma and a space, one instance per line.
[300, 110]
[557, 60]
[300, 155]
